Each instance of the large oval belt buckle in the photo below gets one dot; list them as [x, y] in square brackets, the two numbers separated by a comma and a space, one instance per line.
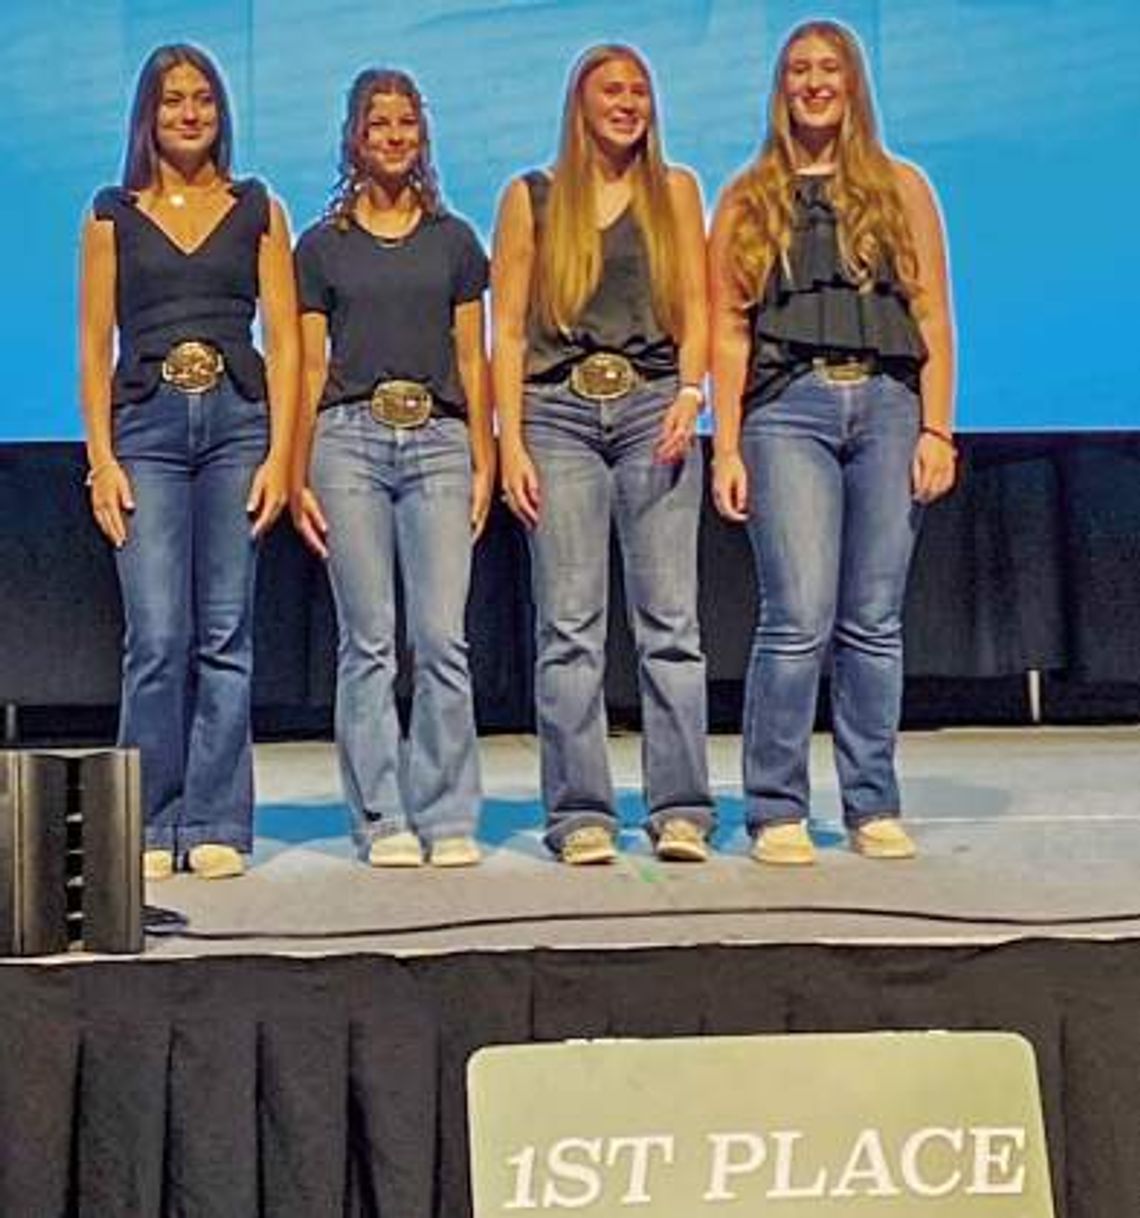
[843, 372]
[401, 404]
[604, 376]
[193, 367]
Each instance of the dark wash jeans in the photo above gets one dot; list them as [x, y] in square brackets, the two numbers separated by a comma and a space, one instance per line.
[595, 466]
[832, 524]
[187, 577]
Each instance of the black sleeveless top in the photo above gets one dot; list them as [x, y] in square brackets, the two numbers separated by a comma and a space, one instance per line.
[817, 310]
[618, 317]
[164, 296]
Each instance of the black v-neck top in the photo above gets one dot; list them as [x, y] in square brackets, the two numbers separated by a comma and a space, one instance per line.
[165, 296]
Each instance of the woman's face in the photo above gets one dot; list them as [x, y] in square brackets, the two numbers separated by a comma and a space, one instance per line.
[186, 122]
[815, 84]
[391, 140]
[616, 104]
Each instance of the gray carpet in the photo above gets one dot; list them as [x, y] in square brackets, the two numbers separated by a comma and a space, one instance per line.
[1011, 823]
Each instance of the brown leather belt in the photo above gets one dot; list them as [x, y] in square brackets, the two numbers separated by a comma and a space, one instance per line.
[193, 367]
[401, 404]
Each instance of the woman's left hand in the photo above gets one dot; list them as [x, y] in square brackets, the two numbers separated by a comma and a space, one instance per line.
[677, 429]
[482, 489]
[934, 468]
[268, 495]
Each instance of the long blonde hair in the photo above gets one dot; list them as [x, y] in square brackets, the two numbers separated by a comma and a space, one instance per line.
[871, 226]
[568, 264]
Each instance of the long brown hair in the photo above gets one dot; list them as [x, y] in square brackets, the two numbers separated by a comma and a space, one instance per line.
[871, 225]
[140, 166]
[351, 171]
[568, 265]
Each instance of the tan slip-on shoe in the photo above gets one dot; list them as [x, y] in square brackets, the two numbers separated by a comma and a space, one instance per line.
[681, 841]
[215, 862]
[401, 849]
[784, 845]
[882, 838]
[588, 846]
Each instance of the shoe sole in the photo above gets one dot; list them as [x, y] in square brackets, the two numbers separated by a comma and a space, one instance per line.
[883, 852]
[449, 862]
[681, 852]
[590, 858]
[783, 857]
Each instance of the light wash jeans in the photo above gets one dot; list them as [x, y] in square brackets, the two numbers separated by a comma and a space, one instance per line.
[595, 466]
[832, 524]
[187, 575]
[400, 496]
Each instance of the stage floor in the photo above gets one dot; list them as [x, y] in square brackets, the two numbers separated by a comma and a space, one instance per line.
[1011, 824]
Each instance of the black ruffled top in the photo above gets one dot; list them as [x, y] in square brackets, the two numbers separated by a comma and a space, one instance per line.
[166, 296]
[817, 310]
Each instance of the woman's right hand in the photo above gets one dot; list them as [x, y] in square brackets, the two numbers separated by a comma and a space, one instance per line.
[520, 484]
[309, 520]
[730, 487]
[111, 500]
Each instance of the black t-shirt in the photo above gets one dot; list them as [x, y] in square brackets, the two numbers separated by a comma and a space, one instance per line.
[391, 304]
[164, 296]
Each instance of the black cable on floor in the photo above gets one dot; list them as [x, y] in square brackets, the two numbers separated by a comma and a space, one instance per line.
[172, 925]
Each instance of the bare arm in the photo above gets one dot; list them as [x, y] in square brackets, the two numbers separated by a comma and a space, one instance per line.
[314, 373]
[110, 490]
[474, 372]
[934, 458]
[278, 288]
[680, 421]
[308, 519]
[730, 346]
[512, 262]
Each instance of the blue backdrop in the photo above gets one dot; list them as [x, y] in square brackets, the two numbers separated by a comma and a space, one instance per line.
[1022, 112]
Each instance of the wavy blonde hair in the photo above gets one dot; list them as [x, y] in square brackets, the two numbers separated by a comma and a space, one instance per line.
[568, 265]
[871, 224]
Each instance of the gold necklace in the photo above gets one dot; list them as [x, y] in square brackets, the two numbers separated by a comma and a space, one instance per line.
[179, 198]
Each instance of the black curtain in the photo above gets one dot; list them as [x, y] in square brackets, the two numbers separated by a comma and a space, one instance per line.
[262, 1086]
[1033, 563]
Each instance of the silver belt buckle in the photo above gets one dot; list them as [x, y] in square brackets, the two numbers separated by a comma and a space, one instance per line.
[401, 404]
[604, 376]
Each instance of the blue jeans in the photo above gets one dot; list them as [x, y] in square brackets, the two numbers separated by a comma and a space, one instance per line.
[595, 465]
[832, 524]
[400, 496]
[187, 575]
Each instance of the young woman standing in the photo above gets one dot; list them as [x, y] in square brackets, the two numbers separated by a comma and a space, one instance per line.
[833, 369]
[395, 465]
[600, 338]
[188, 442]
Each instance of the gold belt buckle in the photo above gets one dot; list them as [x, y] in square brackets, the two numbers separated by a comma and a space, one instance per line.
[846, 372]
[193, 367]
[401, 404]
[604, 376]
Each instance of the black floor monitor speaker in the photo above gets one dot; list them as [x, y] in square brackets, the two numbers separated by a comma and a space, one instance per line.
[70, 852]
